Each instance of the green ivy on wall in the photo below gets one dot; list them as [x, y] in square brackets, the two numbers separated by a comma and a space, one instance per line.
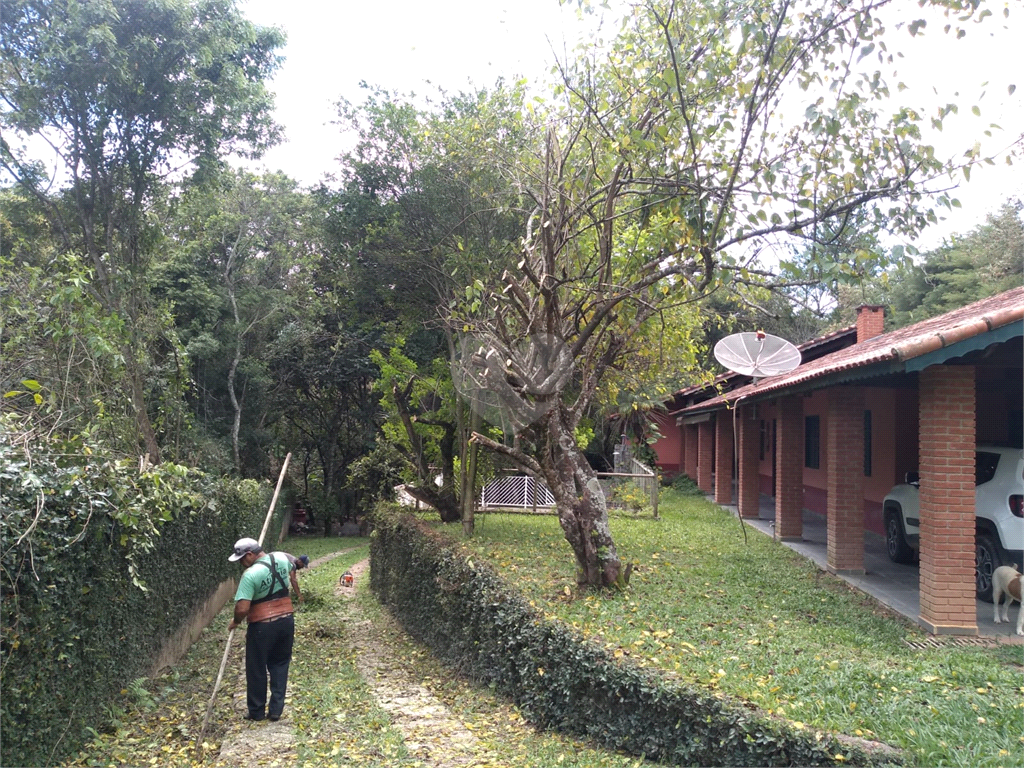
[99, 564]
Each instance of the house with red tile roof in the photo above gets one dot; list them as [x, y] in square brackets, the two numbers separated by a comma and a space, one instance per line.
[862, 409]
[670, 448]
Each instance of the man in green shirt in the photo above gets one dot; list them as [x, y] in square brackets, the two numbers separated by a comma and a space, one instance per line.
[263, 598]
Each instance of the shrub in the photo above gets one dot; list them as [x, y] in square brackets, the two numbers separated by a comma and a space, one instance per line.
[100, 564]
[374, 476]
[686, 486]
[473, 621]
[631, 497]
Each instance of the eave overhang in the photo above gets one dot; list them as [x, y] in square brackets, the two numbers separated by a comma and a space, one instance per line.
[910, 350]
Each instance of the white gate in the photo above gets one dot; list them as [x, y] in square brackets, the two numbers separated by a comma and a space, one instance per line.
[524, 492]
[516, 491]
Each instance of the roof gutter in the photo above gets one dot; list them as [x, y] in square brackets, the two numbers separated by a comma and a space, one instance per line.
[894, 360]
[942, 339]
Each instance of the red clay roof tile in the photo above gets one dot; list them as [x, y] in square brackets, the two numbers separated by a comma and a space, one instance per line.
[899, 345]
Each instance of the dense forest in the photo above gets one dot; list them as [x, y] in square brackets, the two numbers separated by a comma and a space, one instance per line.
[490, 270]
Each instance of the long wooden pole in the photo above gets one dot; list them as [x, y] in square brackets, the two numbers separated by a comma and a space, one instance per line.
[231, 634]
[273, 501]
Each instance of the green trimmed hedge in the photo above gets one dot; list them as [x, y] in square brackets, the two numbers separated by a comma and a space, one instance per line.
[113, 564]
[477, 623]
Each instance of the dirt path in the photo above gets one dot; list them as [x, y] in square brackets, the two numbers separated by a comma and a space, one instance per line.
[260, 744]
[254, 744]
[328, 558]
[431, 731]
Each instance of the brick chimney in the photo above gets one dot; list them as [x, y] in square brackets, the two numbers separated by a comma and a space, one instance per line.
[870, 322]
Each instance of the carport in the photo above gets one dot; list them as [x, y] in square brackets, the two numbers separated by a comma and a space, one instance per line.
[892, 584]
[836, 432]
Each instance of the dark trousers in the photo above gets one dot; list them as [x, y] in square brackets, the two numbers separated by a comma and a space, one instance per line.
[268, 648]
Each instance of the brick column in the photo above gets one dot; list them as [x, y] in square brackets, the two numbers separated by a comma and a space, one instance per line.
[681, 429]
[723, 457]
[749, 444]
[690, 439]
[845, 467]
[705, 438]
[946, 449]
[789, 469]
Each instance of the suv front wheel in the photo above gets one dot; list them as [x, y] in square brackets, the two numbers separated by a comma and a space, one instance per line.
[986, 559]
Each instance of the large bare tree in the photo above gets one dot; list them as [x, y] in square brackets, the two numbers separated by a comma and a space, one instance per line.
[705, 133]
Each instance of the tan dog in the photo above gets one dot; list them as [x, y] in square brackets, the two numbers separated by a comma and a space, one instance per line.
[1006, 581]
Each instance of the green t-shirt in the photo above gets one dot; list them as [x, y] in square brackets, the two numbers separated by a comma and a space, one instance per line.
[256, 582]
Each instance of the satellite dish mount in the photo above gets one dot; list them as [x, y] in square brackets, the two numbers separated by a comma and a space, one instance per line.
[759, 355]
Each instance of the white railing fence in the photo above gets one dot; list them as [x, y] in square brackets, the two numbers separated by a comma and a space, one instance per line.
[516, 492]
[635, 491]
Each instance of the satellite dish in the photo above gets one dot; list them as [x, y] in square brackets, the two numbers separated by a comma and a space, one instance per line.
[757, 354]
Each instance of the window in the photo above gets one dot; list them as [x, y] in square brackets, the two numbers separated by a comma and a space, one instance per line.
[867, 443]
[812, 442]
[764, 437]
[985, 468]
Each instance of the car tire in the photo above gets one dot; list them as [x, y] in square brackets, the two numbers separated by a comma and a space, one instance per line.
[896, 541]
[987, 557]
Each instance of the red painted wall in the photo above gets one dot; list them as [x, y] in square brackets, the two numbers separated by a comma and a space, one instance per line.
[669, 446]
[894, 439]
[884, 448]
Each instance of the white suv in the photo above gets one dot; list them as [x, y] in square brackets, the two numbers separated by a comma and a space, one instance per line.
[998, 510]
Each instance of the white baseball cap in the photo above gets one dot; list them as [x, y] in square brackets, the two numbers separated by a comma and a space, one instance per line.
[244, 547]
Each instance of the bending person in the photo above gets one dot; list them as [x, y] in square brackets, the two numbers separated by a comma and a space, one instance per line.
[262, 598]
[300, 562]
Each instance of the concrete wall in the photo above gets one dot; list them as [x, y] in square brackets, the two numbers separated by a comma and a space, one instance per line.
[177, 645]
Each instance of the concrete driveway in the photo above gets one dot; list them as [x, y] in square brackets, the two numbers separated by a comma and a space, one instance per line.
[892, 584]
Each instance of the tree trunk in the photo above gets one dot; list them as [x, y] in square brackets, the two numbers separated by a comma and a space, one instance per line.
[229, 282]
[582, 509]
[467, 467]
[236, 422]
[445, 499]
[330, 503]
[446, 446]
[146, 430]
[446, 504]
[579, 499]
[469, 490]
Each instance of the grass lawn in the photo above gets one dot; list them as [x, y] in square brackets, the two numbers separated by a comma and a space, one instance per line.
[756, 621]
[316, 546]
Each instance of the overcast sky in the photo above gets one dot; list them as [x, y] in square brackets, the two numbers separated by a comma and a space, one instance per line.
[417, 46]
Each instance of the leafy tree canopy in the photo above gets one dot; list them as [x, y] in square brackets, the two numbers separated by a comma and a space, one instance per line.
[981, 263]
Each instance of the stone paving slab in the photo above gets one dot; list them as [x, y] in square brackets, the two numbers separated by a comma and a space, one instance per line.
[431, 730]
